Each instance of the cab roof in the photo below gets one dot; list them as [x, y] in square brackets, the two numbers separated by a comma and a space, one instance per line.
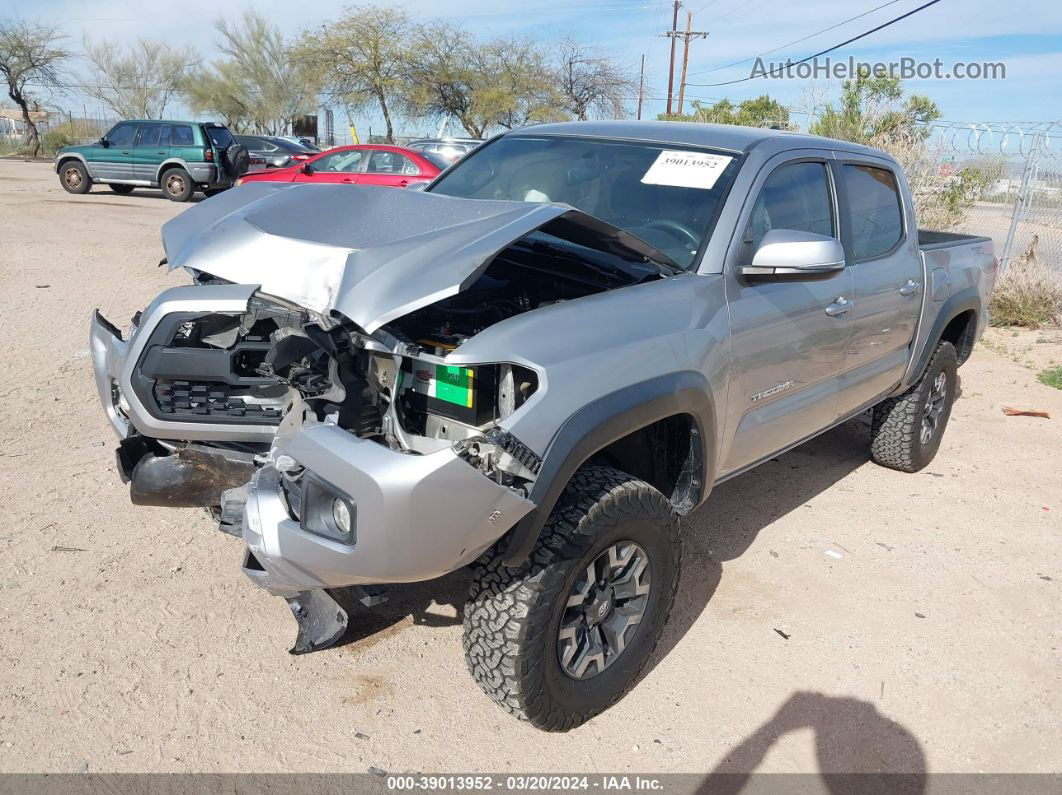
[717, 136]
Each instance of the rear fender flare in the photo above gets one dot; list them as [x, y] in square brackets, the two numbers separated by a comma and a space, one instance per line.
[962, 301]
[169, 163]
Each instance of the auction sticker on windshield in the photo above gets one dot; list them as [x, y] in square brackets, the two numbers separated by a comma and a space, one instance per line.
[678, 169]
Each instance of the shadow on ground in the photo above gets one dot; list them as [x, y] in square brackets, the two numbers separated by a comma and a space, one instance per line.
[413, 602]
[850, 735]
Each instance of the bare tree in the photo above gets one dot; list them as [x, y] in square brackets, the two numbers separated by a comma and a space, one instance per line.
[141, 82]
[515, 88]
[591, 83]
[31, 60]
[261, 86]
[442, 76]
[360, 58]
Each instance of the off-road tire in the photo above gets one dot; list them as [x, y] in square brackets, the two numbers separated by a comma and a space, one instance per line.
[512, 617]
[122, 190]
[177, 184]
[74, 177]
[896, 426]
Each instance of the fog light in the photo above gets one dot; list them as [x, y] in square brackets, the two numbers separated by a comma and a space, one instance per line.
[341, 516]
[326, 512]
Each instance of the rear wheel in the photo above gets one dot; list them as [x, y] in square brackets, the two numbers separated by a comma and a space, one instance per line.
[122, 190]
[74, 177]
[567, 634]
[906, 430]
[177, 185]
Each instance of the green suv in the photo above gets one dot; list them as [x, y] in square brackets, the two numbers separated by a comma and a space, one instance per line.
[180, 157]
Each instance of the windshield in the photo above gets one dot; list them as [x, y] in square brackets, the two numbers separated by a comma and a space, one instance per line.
[436, 160]
[665, 194]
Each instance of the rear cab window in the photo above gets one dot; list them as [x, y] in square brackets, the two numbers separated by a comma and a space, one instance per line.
[875, 209]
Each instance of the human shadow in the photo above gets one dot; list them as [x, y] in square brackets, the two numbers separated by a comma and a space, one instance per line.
[409, 603]
[859, 750]
[738, 510]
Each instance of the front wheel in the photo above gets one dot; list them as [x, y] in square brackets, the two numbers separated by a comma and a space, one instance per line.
[177, 185]
[568, 633]
[74, 177]
[906, 430]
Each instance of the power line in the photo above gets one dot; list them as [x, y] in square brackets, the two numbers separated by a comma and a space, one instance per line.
[797, 41]
[822, 52]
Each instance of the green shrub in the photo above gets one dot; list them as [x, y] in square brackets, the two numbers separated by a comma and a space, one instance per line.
[1029, 293]
[1052, 377]
[66, 134]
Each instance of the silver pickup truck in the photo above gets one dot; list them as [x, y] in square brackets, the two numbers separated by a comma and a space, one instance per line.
[536, 366]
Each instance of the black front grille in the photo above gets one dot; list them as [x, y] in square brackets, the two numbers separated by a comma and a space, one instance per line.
[208, 399]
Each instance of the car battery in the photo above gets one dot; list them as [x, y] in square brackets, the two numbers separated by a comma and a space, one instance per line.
[464, 394]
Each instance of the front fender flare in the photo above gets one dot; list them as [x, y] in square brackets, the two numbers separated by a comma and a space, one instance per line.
[597, 425]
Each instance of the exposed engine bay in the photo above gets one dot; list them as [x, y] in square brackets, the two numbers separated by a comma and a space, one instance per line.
[285, 365]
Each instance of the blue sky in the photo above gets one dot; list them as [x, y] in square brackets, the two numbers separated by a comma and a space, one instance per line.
[1025, 35]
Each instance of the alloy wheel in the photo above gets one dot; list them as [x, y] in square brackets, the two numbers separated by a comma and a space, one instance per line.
[934, 407]
[72, 177]
[603, 610]
[175, 184]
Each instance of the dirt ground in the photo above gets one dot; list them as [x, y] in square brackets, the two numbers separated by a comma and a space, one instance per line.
[832, 616]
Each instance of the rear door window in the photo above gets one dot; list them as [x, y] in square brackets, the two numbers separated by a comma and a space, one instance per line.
[391, 163]
[874, 206]
[150, 134]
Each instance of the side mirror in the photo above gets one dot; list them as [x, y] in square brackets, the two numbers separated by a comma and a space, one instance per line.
[104, 142]
[306, 169]
[797, 254]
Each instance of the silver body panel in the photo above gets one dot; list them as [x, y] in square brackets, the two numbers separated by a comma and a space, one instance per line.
[418, 517]
[779, 363]
[372, 254]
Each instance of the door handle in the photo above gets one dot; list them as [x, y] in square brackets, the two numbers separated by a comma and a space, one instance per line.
[161, 153]
[839, 307]
[403, 183]
[347, 180]
[910, 288]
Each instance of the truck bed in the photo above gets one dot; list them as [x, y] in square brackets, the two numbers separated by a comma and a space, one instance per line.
[930, 239]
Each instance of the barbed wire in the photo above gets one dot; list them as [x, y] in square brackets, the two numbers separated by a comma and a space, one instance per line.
[1009, 139]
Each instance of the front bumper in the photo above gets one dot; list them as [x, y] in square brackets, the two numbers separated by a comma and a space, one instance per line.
[417, 517]
[115, 361]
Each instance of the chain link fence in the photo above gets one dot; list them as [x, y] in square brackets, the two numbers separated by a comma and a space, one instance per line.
[1012, 174]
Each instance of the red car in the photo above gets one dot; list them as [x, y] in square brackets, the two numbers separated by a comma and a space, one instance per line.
[362, 164]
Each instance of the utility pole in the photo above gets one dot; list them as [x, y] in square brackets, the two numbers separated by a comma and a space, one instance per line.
[641, 88]
[671, 69]
[686, 38]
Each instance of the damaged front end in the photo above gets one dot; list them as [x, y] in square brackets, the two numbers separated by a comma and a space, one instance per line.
[325, 411]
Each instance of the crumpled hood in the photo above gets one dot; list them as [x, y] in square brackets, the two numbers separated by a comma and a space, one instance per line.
[371, 253]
